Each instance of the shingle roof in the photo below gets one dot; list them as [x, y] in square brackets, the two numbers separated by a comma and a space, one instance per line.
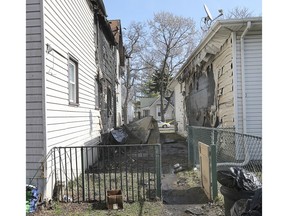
[146, 102]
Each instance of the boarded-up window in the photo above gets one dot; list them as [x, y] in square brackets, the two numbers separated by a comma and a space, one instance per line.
[73, 81]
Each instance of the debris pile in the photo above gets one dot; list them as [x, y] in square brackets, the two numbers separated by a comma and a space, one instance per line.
[32, 196]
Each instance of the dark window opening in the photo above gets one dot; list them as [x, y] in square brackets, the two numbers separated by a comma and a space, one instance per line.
[109, 102]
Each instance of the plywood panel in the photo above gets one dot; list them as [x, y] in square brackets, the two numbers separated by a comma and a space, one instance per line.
[205, 168]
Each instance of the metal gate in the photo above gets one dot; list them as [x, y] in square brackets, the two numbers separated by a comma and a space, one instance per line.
[84, 174]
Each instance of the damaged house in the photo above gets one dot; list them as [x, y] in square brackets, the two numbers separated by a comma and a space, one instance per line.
[220, 85]
[74, 58]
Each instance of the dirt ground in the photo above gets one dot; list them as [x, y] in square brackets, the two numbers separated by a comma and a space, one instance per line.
[181, 190]
[179, 198]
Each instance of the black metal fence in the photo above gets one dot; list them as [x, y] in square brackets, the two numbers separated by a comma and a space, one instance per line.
[84, 174]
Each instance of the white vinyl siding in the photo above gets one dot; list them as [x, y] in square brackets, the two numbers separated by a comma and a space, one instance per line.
[69, 30]
[35, 129]
[179, 110]
[253, 83]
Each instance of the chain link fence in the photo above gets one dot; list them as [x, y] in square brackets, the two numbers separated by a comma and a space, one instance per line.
[232, 149]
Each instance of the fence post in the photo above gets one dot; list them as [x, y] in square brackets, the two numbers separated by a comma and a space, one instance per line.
[82, 174]
[158, 170]
[55, 168]
[190, 147]
[214, 171]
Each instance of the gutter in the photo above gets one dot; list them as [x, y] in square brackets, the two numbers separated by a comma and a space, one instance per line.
[210, 34]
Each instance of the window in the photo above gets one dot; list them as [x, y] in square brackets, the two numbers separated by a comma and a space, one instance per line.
[73, 82]
[158, 111]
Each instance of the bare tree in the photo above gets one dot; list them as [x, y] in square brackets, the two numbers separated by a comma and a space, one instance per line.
[134, 43]
[172, 39]
[239, 13]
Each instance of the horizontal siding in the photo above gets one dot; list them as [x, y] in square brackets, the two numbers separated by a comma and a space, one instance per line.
[253, 83]
[224, 76]
[179, 109]
[69, 30]
[34, 90]
[32, 120]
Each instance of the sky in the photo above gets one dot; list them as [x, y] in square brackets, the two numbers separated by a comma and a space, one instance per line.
[142, 10]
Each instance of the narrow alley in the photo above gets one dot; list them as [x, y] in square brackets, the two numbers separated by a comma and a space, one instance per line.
[181, 189]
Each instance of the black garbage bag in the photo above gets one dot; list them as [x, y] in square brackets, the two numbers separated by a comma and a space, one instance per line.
[226, 178]
[239, 207]
[248, 207]
[119, 136]
[239, 178]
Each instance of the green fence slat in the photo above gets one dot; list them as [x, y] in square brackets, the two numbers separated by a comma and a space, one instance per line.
[214, 171]
[158, 170]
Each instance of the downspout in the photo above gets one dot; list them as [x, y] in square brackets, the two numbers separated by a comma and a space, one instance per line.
[243, 77]
[246, 150]
[46, 193]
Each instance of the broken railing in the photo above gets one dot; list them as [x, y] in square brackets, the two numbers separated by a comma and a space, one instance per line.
[227, 148]
[84, 174]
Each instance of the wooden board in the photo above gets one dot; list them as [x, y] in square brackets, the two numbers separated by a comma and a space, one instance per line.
[205, 168]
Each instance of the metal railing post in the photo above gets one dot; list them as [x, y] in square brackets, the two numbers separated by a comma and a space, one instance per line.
[158, 170]
[213, 171]
[190, 147]
[83, 175]
[213, 160]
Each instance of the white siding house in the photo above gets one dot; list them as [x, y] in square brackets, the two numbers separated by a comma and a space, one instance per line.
[222, 78]
[151, 107]
[179, 108]
[62, 97]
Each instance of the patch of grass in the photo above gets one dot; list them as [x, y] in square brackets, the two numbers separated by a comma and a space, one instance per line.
[142, 208]
[192, 177]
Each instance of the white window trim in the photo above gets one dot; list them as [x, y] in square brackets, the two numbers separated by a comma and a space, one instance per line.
[75, 100]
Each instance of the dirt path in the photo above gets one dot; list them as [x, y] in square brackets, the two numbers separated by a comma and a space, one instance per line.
[179, 197]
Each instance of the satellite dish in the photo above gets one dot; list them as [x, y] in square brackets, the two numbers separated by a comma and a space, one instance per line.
[209, 16]
[207, 21]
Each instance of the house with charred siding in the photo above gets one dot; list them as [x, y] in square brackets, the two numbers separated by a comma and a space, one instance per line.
[221, 82]
[73, 66]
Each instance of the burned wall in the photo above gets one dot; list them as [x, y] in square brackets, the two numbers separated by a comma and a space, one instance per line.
[209, 86]
[200, 97]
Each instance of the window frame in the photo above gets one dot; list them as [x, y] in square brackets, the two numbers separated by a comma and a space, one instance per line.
[75, 101]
